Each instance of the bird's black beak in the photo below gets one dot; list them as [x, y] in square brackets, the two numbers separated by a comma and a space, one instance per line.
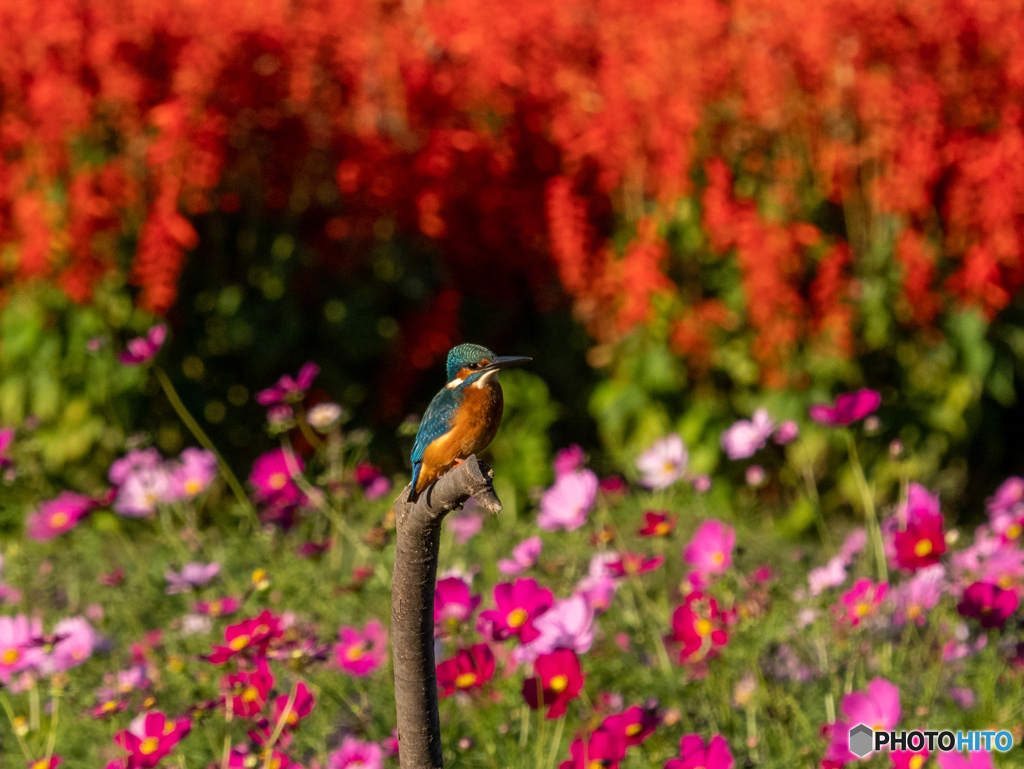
[506, 361]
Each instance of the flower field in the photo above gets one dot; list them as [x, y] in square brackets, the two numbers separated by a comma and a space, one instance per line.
[184, 617]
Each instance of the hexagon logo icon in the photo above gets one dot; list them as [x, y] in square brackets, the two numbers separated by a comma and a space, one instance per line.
[861, 740]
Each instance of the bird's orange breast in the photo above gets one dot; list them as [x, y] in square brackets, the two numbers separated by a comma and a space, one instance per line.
[473, 428]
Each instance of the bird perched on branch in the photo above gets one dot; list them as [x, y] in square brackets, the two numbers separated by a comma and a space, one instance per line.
[463, 418]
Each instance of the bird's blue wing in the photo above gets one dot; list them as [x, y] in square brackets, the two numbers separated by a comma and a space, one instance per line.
[437, 420]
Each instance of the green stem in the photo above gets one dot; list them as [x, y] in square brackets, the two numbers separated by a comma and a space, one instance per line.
[524, 726]
[867, 499]
[807, 470]
[556, 742]
[10, 717]
[653, 628]
[52, 739]
[204, 440]
[830, 703]
[279, 727]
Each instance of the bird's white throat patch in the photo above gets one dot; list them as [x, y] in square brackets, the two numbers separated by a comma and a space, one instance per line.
[482, 381]
[454, 383]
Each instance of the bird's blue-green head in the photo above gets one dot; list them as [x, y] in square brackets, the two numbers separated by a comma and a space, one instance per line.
[469, 363]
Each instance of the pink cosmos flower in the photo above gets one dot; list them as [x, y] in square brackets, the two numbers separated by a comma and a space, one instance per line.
[1007, 496]
[453, 604]
[693, 753]
[518, 603]
[6, 439]
[193, 473]
[373, 482]
[56, 516]
[218, 607]
[465, 526]
[787, 432]
[568, 461]
[878, 708]
[909, 759]
[288, 389]
[853, 544]
[142, 349]
[598, 588]
[849, 408]
[634, 726]
[988, 603]
[746, 436]
[832, 574]
[524, 556]
[43, 763]
[356, 754]
[862, 600]
[360, 653]
[702, 484]
[193, 574]
[150, 737]
[17, 651]
[568, 624]
[914, 598]
[755, 475]
[142, 490]
[978, 759]
[710, 549]
[468, 669]
[629, 564]
[566, 504]
[76, 644]
[135, 459]
[248, 635]
[273, 480]
[664, 463]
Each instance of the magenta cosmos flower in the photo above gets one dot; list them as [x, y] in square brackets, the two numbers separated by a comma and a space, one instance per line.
[629, 564]
[302, 705]
[787, 432]
[193, 574]
[988, 603]
[56, 516]
[566, 504]
[247, 691]
[604, 748]
[469, 669]
[142, 349]
[634, 726]
[568, 460]
[6, 439]
[150, 738]
[848, 408]
[699, 628]
[710, 549]
[657, 524]
[978, 759]
[359, 653]
[1009, 494]
[746, 436]
[272, 479]
[519, 604]
[862, 600]
[288, 389]
[373, 482]
[524, 556]
[454, 604]
[693, 753]
[218, 607]
[356, 754]
[664, 463]
[556, 682]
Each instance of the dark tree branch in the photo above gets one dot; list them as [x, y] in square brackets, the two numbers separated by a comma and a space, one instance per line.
[418, 527]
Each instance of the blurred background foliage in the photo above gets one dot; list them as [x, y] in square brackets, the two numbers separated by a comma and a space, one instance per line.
[680, 214]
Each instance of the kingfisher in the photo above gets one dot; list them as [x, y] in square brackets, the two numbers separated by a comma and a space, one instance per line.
[464, 416]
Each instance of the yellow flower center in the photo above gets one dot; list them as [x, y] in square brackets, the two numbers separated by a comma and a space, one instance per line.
[718, 559]
[465, 680]
[354, 653]
[149, 745]
[913, 611]
[662, 529]
[595, 764]
[703, 627]
[668, 467]
[293, 718]
[10, 656]
[261, 630]
[193, 486]
[558, 683]
[168, 727]
[1005, 582]
[42, 763]
[250, 694]
[922, 548]
[517, 617]
[215, 608]
[916, 761]
[58, 519]
[277, 481]
[109, 706]
[1013, 531]
[239, 642]
[861, 609]
[632, 729]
